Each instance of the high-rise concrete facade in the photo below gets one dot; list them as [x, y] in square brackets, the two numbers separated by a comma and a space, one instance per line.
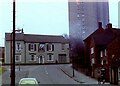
[84, 17]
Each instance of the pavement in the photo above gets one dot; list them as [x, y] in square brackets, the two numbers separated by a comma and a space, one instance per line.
[19, 74]
[0, 79]
[78, 76]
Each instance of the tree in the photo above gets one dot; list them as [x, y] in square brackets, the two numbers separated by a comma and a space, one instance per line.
[77, 50]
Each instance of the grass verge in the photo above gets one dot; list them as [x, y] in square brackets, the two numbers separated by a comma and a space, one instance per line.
[2, 70]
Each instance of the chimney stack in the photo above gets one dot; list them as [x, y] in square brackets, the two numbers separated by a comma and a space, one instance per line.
[109, 25]
[99, 24]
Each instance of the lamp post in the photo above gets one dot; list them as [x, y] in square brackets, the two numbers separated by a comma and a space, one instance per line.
[13, 48]
[12, 57]
[72, 54]
[13, 44]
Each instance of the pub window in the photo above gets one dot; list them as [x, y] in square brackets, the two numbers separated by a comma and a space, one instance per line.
[50, 57]
[41, 47]
[18, 46]
[32, 47]
[17, 58]
[32, 57]
[63, 46]
[50, 47]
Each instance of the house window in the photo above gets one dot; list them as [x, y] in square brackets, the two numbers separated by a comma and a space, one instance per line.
[92, 50]
[32, 57]
[18, 46]
[101, 54]
[50, 47]
[63, 46]
[50, 57]
[17, 58]
[92, 61]
[32, 47]
[102, 62]
[41, 47]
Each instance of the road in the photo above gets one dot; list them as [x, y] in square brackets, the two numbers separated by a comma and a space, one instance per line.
[45, 74]
[50, 74]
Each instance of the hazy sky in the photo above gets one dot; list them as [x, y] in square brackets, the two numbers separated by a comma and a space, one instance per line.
[41, 16]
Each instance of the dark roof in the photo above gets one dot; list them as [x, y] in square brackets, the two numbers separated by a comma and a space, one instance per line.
[104, 36]
[19, 36]
[117, 35]
[96, 32]
[37, 38]
[116, 31]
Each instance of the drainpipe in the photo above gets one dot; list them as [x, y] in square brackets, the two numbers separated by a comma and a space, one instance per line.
[25, 52]
[11, 56]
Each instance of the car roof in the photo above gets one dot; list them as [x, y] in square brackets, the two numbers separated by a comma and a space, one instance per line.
[28, 78]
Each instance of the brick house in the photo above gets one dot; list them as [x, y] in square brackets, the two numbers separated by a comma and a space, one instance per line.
[31, 48]
[98, 46]
[114, 57]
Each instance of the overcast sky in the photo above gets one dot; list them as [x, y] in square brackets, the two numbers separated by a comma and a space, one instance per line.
[41, 16]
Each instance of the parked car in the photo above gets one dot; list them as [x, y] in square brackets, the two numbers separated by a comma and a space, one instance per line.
[28, 81]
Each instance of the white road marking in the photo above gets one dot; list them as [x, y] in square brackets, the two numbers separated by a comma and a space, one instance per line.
[46, 71]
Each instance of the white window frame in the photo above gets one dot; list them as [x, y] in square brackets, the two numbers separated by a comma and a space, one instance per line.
[51, 48]
[101, 62]
[101, 53]
[52, 57]
[32, 46]
[92, 50]
[18, 44]
[19, 56]
[93, 61]
[105, 52]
